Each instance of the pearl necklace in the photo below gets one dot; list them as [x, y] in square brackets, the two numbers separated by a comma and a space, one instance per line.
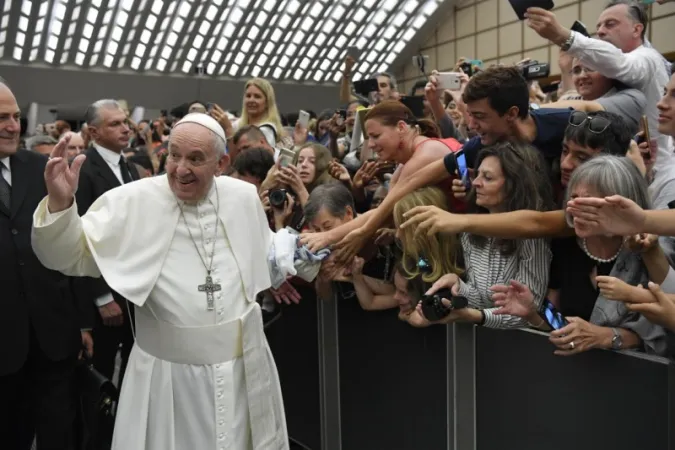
[595, 258]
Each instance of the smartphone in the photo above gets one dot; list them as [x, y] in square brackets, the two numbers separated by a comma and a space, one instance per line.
[463, 169]
[644, 125]
[580, 28]
[209, 107]
[449, 80]
[365, 87]
[551, 315]
[286, 157]
[303, 119]
[520, 6]
[415, 104]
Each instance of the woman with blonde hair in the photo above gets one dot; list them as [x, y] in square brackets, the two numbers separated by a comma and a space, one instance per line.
[427, 256]
[259, 108]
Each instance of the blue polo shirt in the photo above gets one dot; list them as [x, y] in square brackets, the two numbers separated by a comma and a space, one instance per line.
[551, 125]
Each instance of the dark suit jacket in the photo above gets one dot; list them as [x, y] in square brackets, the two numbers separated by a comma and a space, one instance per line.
[29, 293]
[96, 178]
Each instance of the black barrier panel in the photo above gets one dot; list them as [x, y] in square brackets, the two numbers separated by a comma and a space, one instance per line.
[393, 380]
[294, 344]
[528, 398]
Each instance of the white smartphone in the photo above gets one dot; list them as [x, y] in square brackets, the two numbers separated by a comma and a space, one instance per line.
[303, 119]
[449, 80]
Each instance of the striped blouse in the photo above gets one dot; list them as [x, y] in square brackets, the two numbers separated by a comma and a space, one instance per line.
[486, 266]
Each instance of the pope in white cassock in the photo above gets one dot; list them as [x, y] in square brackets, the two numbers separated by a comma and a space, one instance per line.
[190, 251]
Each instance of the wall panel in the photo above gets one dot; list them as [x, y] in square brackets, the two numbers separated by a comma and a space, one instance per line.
[489, 30]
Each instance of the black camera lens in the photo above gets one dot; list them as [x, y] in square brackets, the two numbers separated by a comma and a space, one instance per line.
[277, 198]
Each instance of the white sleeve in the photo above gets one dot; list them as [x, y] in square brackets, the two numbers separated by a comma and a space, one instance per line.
[59, 242]
[634, 69]
[103, 300]
[270, 134]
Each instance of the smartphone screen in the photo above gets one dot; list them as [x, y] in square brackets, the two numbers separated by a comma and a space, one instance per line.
[463, 169]
[552, 316]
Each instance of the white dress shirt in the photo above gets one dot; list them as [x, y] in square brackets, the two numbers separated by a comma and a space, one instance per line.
[6, 171]
[112, 159]
[641, 69]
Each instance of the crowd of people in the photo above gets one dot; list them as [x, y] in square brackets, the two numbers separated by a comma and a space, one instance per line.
[493, 204]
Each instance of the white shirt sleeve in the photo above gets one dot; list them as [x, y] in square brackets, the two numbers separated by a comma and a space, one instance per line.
[104, 300]
[635, 68]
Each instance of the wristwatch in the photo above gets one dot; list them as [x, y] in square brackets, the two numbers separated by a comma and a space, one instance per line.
[617, 341]
[568, 42]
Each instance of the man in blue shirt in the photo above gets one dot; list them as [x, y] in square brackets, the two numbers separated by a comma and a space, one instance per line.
[498, 105]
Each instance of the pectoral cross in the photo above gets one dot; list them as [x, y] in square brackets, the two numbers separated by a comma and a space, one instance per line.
[209, 287]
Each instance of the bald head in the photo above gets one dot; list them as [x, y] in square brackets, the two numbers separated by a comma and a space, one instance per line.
[10, 124]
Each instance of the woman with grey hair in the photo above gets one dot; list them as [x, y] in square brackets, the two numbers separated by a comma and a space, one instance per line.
[589, 273]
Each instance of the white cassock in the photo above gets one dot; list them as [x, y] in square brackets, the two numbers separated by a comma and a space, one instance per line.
[197, 379]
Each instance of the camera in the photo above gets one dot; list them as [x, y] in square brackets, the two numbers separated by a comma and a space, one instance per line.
[278, 197]
[434, 309]
[534, 70]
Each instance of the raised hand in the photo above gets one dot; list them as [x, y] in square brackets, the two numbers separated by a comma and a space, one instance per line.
[514, 299]
[432, 220]
[62, 179]
[614, 216]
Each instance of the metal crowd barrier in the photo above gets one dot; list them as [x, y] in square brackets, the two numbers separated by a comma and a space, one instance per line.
[362, 380]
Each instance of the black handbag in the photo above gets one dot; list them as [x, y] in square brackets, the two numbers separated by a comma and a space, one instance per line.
[98, 398]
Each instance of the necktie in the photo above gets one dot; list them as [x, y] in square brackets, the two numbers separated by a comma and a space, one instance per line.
[5, 189]
[126, 175]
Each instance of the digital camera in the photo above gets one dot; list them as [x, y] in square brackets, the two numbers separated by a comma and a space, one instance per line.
[278, 197]
[434, 309]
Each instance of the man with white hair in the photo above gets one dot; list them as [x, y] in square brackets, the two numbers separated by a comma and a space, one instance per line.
[200, 374]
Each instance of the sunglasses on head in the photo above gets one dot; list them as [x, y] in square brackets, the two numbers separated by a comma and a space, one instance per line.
[595, 124]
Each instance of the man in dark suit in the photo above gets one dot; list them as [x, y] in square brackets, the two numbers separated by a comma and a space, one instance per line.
[106, 168]
[39, 326]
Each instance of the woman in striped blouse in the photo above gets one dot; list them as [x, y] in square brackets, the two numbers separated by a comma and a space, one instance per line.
[510, 177]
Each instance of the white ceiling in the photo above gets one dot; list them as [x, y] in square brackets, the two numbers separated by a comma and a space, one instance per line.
[298, 40]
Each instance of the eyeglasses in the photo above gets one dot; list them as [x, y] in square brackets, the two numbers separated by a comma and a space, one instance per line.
[597, 125]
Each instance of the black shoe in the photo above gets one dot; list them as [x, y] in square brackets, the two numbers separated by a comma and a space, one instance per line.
[269, 317]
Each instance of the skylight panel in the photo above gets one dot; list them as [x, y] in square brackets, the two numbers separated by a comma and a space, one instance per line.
[23, 24]
[177, 25]
[92, 15]
[337, 12]
[229, 30]
[236, 15]
[293, 6]
[108, 60]
[284, 21]
[298, 74]
[136, 63]
[20, 39]
[79, 58]
[233, 70]
[253, 32]
[410, 6]
[204, 28]
[44, 6]
[317, 9]
[277, 73]
[245, 46]
[161, 65]
[211, 13]
[369, 3]
[150, 22]
[256, 71]
[49, 56]
[157, 6]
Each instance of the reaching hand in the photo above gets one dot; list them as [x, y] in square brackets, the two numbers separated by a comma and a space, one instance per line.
[613, 289]
[286, 293]
[615, 215]
[514, 299]
[642, 243]
[61, 179]
[385, 237]
[365, 173]
[317, 241]
[339, 172]
[433, 220]
[546, 25]
[661, 311]
[350, 245]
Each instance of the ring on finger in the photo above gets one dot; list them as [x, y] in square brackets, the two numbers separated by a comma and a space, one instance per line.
[572, 345]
